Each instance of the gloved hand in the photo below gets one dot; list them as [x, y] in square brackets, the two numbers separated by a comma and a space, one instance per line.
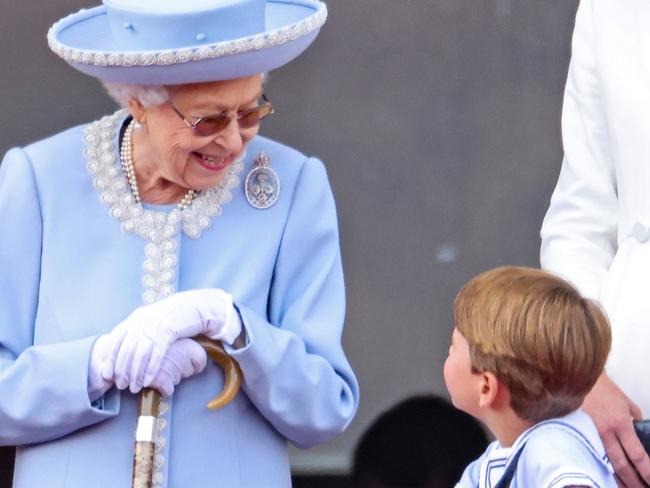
[139, 344]
[184, 358]
[97, 385]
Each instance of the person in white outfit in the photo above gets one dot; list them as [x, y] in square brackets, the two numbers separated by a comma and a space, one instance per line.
[596, 231]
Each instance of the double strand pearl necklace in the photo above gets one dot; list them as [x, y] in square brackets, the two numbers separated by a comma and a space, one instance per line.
[126, 157]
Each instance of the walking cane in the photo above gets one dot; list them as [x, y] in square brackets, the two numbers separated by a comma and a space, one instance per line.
[149, 401]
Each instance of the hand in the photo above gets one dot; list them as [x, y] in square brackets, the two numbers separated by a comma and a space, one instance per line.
[140, 342]
[184, 358]
[613, 412]
[97, 385]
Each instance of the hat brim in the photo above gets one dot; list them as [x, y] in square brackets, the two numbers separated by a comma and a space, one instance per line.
[83, 40]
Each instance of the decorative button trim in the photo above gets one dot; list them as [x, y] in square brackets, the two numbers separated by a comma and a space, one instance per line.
[160, 229]
[158, 478]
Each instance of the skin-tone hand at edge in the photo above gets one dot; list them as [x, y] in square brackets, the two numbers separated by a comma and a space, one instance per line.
[613, 412]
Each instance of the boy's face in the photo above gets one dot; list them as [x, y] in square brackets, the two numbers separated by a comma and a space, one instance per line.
[461, 383]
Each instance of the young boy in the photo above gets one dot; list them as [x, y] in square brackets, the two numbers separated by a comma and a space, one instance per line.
[525, 351]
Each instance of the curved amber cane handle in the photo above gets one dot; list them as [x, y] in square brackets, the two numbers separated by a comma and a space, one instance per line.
[231, 371]
[149, 401]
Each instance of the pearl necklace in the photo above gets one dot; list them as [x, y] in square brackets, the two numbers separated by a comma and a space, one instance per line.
[126, 157]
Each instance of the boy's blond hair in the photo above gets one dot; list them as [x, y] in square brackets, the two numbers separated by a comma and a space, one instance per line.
[536, 334]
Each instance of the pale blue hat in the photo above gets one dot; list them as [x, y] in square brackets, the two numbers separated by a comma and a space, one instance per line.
[167, 42]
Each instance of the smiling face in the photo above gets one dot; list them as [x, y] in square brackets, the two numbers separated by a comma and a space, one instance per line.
[462, 384]
[169, 158]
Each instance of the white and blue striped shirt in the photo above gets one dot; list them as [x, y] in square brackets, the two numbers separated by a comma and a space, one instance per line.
[558, 452]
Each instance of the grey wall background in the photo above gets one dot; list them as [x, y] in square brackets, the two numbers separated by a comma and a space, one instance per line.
[439, 121]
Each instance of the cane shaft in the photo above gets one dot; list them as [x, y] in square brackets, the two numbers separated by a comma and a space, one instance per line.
[149, 403]
[145, 438]
[143, 464]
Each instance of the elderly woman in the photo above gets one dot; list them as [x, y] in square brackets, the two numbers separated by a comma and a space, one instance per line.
[125, 238]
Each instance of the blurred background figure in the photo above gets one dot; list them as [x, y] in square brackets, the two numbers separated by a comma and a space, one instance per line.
[422, 442]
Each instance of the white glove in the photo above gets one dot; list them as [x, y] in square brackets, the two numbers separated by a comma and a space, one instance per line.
[97, 385]
[185, 358]
[139, 344]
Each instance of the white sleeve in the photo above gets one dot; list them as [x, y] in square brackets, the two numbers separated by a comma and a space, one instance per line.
[580, 228]
[471, 475]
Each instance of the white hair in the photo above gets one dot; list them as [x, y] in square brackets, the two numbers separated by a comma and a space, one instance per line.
[148, 95]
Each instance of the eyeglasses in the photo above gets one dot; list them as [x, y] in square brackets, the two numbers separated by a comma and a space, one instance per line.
[211, 125]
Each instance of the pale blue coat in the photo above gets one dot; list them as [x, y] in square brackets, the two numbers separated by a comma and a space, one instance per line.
[68, 273]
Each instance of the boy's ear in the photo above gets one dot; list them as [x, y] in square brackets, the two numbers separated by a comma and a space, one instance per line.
[489, 390]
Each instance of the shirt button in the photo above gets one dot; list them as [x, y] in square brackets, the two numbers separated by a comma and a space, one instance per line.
[640, 232]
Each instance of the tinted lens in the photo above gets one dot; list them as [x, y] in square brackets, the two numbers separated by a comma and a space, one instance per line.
[211, 125]
[251, 118]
